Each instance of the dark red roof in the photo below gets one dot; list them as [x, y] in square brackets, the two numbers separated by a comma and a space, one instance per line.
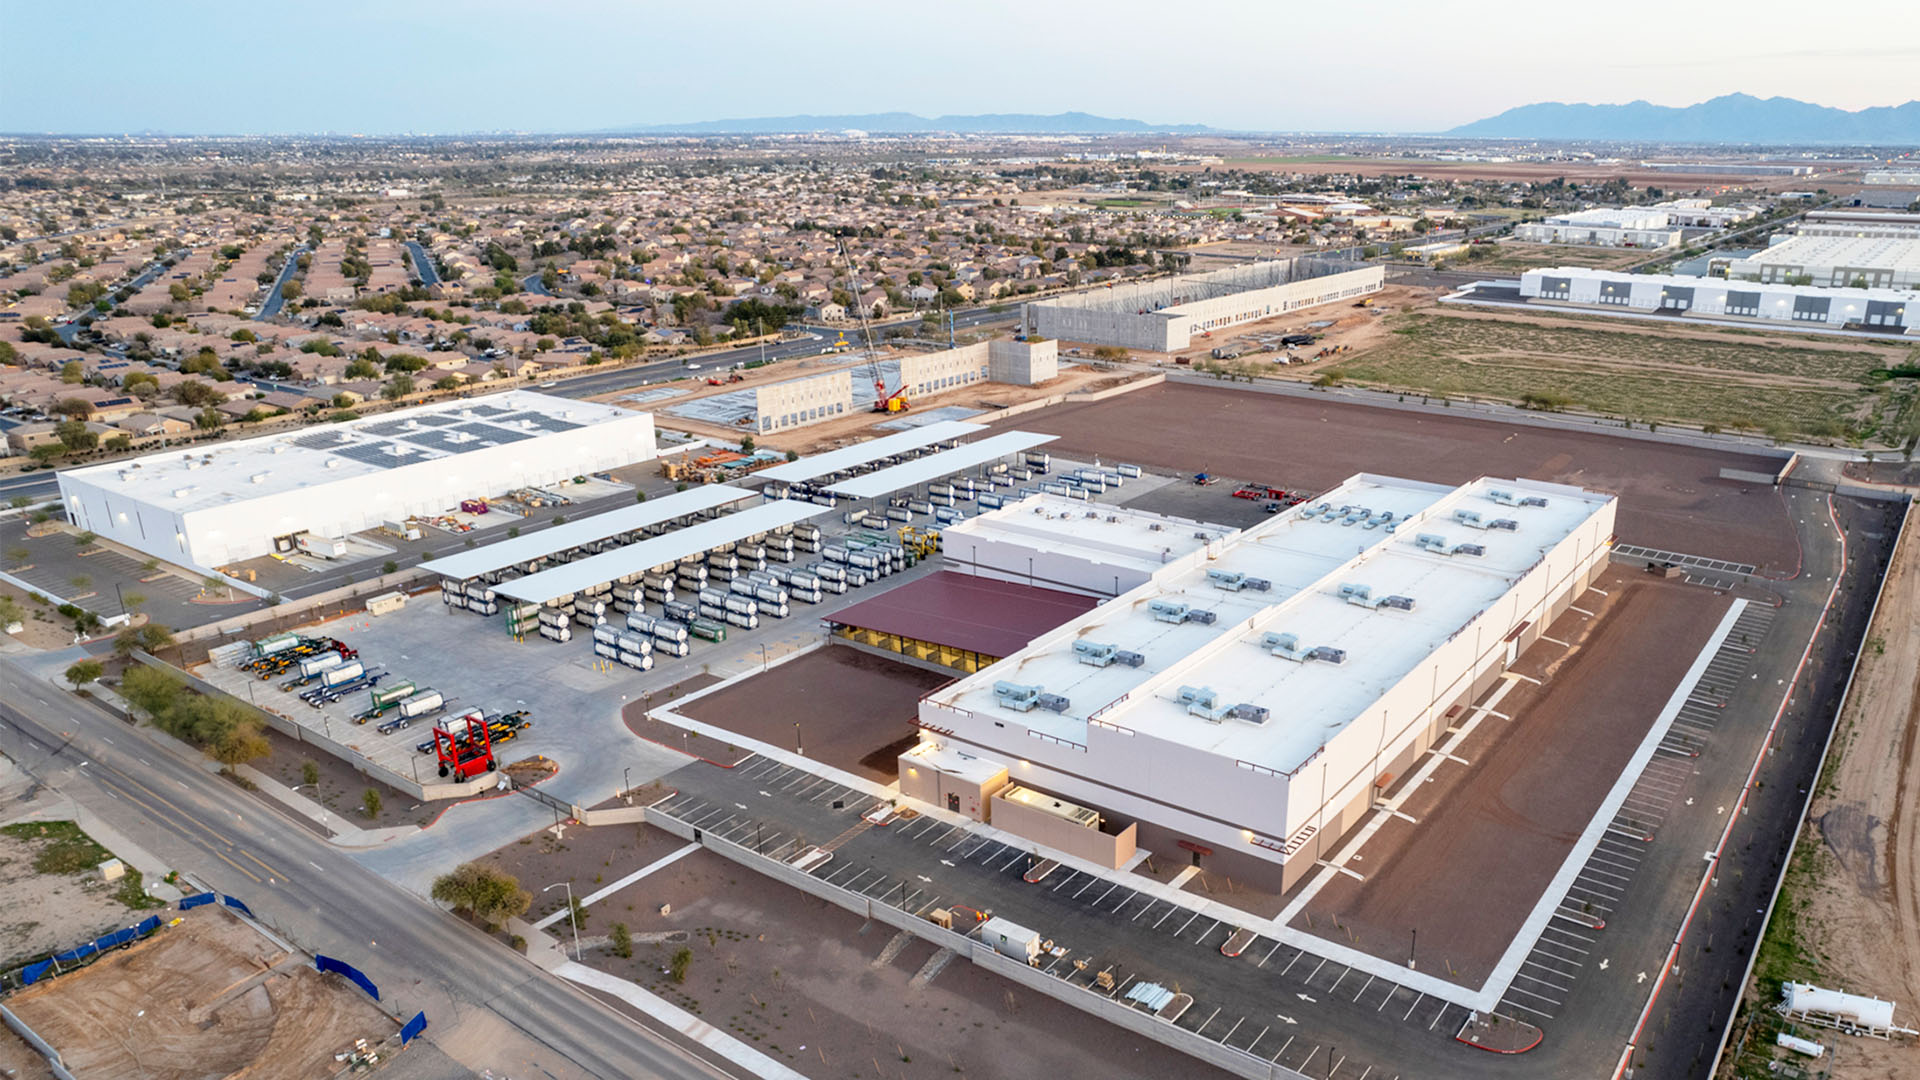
[982, 615]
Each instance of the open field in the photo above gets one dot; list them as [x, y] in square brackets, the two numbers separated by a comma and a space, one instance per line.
[1671, 496]
[1512, 258]
[51, 893]
[1849, 913]
[210, 997]
[1737, 380]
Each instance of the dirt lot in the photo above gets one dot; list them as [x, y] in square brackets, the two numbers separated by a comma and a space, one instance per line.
[43, 628]
[1780, 384]
[1515, 257]
[821, 990]
[856, 711]
[51, 895]
[209, 997]
[1670, 496]
[1512, 817]
[1352, 328]
[340, 787]
[588, 858]
[1850, 910]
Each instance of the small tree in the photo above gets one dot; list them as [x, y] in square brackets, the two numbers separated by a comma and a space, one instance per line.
[622, 941]
[84, 540]
[492, 896]
[309, 773]
[370, 801]
[11, 612]
[84, 671]
[150, 638]
[682, 960]
[133, 602]
[239, 744]
[389, 566]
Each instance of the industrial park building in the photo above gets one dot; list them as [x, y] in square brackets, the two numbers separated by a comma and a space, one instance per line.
[1890, 310]
[1880, 262]
[1860, 224]
[1630, 226]
[1257, 691]
[1164, 315]
[208, 506]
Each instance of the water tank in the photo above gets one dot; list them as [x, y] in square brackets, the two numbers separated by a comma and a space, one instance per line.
[1852, 1008]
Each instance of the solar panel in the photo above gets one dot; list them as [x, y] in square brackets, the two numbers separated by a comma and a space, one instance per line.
[489, 433]
[387, 427]
[378, 454]
[540, 420]
[322, 440]
[437, 419]
[486, 410]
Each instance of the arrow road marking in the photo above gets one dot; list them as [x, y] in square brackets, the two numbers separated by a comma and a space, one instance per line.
[1640, 978]
[1303, 997]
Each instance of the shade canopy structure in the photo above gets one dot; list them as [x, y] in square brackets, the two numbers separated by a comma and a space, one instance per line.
[934, 466]
[636, 558]
[547, 542]
[852, 457]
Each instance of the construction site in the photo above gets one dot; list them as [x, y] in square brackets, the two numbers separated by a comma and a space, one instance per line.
[206, 996]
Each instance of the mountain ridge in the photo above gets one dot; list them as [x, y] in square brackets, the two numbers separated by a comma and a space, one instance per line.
[1729, 118]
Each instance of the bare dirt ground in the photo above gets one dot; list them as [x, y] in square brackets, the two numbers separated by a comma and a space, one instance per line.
[18, 1061]
[819, 989]
[45, 913]
[209, 997]
[588, 858]
[1355, 328]
[1499, 830]
[1671, 496]
[340, 787]
[1861, 921]
[43, 628]
[856, 711]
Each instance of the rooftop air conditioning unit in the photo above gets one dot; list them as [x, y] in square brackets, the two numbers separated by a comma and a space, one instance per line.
[1433, 542]
[1534, 501]
[257, 478]
[1466, 549]
[1469, 518]
[1131, 659]
[1398, 603]
[1252, 714]
[1169, 610]
[1357, 594]
[1015, 696]
[1503, 497]
[1094, 653]
[1504, 525]
[1327, 654]
[1285, 646]
[1053, 703]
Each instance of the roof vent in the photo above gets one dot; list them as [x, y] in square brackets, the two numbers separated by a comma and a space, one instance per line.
[257, 478]
[1234, 581]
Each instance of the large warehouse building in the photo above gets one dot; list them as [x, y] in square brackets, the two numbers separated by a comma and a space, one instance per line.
[1164, 315]
[1256, 693]
[1889, 310]
[207, 507]
[1876, 262]
[1629, 226]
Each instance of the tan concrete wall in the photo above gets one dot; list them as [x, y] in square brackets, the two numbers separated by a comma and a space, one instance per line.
[1107, 849]
[937, 373]
[932, 786]
[787, 405]
[1022, 363]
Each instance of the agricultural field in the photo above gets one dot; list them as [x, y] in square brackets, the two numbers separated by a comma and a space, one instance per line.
[1784, 385]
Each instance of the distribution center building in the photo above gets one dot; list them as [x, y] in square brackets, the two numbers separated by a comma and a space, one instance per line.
[209, 506]
[1258, 690]
[1887, 310]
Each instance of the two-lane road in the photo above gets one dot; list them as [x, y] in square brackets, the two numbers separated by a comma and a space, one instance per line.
[488, 1008]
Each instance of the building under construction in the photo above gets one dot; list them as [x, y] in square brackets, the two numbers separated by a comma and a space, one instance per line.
[1163, 315]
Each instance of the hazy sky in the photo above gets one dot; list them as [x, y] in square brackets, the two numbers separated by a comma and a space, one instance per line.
[380, 66]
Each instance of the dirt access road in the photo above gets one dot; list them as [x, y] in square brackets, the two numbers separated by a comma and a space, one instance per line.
[1860, 920]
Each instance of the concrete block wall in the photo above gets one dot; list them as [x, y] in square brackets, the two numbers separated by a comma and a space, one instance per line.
[787, 405]
[936, 373]
[1022, 363]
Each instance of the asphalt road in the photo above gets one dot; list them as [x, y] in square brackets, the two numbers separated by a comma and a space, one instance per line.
[487, 1007]
[423, 264]
[275, 301]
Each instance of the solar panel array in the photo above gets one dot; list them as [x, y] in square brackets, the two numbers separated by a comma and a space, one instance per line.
[430, 435]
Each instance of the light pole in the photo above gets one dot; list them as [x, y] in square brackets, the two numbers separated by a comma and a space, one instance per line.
[626, 782]
[1412, 943]
[798, 746]
[763, 657]
[572, 916]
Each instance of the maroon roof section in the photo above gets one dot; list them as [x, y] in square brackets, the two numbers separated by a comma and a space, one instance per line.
[982, 615]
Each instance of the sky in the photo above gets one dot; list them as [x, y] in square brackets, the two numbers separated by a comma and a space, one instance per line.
[441, 66]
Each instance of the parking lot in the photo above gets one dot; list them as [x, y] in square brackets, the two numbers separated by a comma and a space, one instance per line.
[101, 578]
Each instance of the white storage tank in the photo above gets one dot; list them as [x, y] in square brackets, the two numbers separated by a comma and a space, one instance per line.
[1850, 1008]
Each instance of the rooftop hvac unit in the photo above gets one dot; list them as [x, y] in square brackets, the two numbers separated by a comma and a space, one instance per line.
[1534, 501]
[1467, 549]
[1397, 603]
[1204, 618]
[1095, 653]
[1252, 714]
[1469, 518]
[1502, 496]
[1234, 581]
[1504, 525]
[1155, 527]
[1015, 696]
[1285, 646]
[1433, 542]
[1357, 594]
[1131, 659]
[1202, 536]
[1327, 654]
[1169, 610]
[1053, 703]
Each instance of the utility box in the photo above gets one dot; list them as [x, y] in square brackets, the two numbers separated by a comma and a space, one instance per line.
[112, 870]
[1011, 939]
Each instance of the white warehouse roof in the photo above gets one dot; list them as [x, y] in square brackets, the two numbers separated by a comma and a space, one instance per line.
[181, 481]
[852, 457]
[647, 554]
[520, 549]
[1305, 559]
[934, 466]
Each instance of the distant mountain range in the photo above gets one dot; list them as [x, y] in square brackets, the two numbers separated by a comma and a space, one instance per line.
[894, 123]
[1731, 118]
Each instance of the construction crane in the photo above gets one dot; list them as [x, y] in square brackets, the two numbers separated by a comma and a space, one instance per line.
[883, 402]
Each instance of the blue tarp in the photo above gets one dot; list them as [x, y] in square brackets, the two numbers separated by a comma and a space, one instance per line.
[148, 925]
[341, 967]
[236, 905]
[188, 903]
[414, 1027]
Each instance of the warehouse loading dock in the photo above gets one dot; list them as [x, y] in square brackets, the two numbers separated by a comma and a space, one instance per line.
[957, 620]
